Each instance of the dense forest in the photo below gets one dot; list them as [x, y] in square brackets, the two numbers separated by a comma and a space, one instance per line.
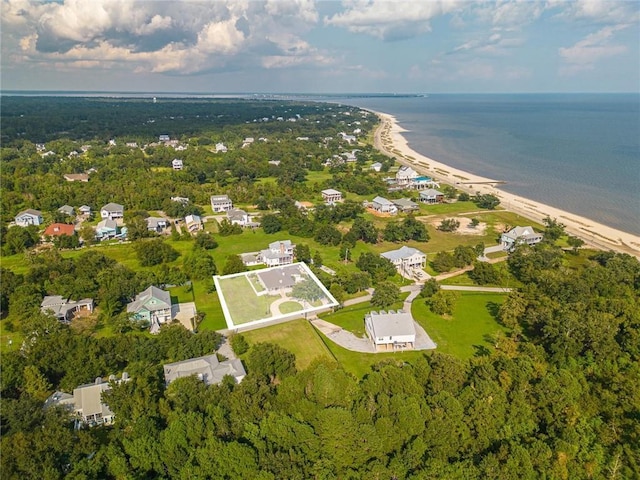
[556, 396]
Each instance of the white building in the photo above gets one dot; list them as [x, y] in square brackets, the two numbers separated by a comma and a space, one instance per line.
[406, 175]
[278, 253]
[112, 211]
[406, 258]
[331, 196]
[518, 235]
[221, 148]
[390, 330]
[193, 223]
[29, 217]
[221, 203]
[177, 164]
[382, 205]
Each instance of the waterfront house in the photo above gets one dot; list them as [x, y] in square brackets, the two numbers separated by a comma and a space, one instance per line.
[152, 306]
[221, 203]
[207, 369]
[112, 211]
[406, 258]
[431, 196]
[392, 330]
[29, 217]
[382, 205]
[519, 235]
[406, 175]
[331, 196]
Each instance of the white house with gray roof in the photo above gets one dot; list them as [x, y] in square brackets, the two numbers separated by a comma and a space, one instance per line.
[221, 203]
[382, 205]
[406, 175]
[29, 217]
[63, 308]
[112, 211]
[406, 258]
[279, 253]
[331, 196]
[208, 369]
[392, 330]
[431, 195]
[519, 235]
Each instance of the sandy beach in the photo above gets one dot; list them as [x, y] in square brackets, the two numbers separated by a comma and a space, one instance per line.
[389, 140]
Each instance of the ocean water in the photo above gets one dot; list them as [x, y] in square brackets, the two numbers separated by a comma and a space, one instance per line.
[576, 152]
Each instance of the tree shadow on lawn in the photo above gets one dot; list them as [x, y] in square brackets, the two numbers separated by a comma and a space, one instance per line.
[481, 350]
[494, 310]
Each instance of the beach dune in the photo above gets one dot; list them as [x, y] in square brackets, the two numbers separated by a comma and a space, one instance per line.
[389, 140]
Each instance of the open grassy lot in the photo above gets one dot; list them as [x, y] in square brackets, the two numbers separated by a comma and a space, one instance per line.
[243, 304]
[208, 303]
[469, 330]
[297, 336]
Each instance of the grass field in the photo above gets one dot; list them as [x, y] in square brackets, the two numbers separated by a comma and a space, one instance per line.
[468, 332]
[208, 303]
[243, 304]
[290, 307]
[359, 364]
[297, 336]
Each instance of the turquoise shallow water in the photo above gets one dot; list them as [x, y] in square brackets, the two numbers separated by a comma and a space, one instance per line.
[577, 152]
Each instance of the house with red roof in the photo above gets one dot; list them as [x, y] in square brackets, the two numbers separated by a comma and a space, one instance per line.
[59, 229]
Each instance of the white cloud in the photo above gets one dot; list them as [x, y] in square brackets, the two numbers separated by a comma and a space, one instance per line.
[594, 47]
[390, 20]
[157, 36]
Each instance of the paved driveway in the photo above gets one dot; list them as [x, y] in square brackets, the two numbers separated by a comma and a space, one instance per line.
[184, 312]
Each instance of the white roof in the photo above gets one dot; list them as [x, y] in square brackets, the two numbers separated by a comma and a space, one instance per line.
[382, 201]
[331, 191]
[402, 252]
[391, 324]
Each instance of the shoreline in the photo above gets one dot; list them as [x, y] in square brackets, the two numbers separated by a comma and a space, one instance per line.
[389, 140]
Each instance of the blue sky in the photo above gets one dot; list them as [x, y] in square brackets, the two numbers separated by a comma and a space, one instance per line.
[304, 46]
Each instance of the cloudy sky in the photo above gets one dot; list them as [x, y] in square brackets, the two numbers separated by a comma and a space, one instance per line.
[308, 46]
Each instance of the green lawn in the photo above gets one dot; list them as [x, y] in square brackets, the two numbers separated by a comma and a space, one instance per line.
[182, 294]
[208, 304]
[468, 332]
[243, 304]
[290, 307]
[297, 336]
[359, 364]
